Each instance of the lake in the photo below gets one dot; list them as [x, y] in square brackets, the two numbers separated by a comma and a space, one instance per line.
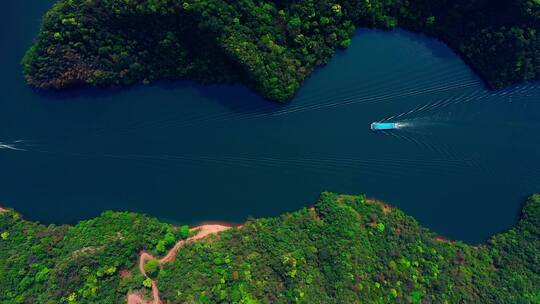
[463, 163]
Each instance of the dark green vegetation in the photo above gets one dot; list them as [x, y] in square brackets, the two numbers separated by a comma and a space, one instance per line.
[350, 250]
[151, 267]
[344, 250]
[87, 263]
[270, 45]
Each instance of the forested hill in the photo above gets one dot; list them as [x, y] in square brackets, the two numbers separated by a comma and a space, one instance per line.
[347, 249]
[271, 46]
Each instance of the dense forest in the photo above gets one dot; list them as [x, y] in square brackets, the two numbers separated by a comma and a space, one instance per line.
[346, 249]
[91, 262]
[270, 45]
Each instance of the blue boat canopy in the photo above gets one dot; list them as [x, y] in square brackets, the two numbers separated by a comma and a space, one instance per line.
[380, 126]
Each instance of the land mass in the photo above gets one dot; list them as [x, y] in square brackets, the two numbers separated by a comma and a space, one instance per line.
[345, 249]
[271, 46]
[145, 258]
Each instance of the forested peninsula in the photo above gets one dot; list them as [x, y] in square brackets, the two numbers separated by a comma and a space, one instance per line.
[271, 46]
[345, 249]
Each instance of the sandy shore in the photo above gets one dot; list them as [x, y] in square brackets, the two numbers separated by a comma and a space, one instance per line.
[202, 231]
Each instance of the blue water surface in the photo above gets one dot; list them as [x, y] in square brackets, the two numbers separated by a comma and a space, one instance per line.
[462, 163]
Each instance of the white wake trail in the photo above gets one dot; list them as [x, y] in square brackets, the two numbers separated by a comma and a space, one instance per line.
[11, 146]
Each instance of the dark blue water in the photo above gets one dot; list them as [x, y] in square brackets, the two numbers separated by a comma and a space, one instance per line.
[463, 163]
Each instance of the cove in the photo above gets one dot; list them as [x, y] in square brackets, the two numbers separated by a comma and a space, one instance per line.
[463, 164]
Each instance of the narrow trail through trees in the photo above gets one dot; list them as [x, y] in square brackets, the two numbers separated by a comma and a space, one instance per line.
[202, 231]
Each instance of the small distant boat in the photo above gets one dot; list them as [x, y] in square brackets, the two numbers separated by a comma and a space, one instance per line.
[381, 126]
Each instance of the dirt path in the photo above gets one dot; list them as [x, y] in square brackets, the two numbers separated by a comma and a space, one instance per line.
[3, 210]
[143, 257]
[136, 298]
[203, 231]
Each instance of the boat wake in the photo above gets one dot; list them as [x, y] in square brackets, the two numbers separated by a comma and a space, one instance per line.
[14, 145]
[403, 125]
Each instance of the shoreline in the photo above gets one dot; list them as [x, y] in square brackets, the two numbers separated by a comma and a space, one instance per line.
[216, 223]
[387, 207]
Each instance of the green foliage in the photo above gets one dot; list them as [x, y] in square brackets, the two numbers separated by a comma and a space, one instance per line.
[166, 242]
[152, 267]
[295, 23]
[346, 249]
[147, 283]
[270, 45]
[345, 43]
[430, 20]
[341, 252]
[74, 264]
[4, 235]
[184, 231]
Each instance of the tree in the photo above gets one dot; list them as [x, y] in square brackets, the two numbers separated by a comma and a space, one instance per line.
[147, 283]
[430, 20]
[152, 267]
[184, 231]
